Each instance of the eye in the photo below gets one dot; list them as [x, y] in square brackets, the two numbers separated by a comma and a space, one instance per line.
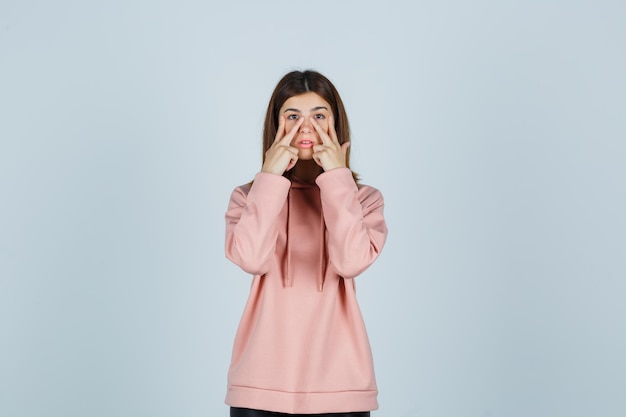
[292, 117]
[319, 116]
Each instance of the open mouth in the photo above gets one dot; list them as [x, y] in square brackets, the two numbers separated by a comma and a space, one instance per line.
[306, 143]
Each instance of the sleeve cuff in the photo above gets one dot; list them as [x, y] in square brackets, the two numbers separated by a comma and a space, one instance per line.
[269, 187]
[341, 177]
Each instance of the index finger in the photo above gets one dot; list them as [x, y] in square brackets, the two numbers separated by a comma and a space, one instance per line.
[287, 139]
[280, 132]
[331, 129]
[326, 140]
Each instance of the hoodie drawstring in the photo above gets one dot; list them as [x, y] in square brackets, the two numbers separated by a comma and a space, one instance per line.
[287, 281]
[322, 275]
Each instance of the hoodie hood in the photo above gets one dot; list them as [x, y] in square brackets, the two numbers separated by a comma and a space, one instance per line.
[304, 208]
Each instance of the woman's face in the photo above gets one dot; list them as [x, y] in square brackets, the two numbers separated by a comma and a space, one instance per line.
[307, 105]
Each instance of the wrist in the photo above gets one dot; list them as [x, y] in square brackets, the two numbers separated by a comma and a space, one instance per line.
[271, 170]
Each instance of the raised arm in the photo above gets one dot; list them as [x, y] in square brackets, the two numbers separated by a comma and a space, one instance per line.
[355, 222]
[251, 222]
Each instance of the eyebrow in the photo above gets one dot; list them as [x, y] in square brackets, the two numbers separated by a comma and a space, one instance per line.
[313, 109]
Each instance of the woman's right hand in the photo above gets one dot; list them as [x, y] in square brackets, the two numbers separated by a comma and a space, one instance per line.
[281, 156]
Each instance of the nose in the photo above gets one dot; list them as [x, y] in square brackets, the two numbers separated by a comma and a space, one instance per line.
[306, 126]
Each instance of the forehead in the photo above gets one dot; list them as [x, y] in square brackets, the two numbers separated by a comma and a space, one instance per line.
[305, 102]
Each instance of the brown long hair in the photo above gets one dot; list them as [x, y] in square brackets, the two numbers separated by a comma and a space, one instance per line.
[300, 82]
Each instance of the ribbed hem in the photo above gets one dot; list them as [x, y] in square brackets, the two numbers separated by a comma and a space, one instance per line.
[301, 402]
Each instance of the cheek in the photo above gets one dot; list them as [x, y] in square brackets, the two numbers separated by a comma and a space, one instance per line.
[324, 124]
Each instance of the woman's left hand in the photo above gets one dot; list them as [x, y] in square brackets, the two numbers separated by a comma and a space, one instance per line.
[330, 154]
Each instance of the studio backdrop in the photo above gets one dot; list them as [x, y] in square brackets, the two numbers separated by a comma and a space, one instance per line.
[494, 129]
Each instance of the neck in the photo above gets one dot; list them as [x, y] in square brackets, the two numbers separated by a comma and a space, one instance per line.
[307, 170]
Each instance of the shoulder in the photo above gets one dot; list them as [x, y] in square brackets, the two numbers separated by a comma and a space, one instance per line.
[370, 196]
[240, 193]
[243, 188]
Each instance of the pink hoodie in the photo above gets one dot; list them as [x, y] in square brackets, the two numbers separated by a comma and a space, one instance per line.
[301, 346]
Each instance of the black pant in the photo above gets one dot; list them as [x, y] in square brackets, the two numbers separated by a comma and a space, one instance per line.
[247, 412]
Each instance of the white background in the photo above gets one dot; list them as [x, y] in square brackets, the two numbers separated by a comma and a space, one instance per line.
[495, 130]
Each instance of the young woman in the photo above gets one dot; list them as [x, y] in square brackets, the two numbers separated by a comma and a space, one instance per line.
[305, 229]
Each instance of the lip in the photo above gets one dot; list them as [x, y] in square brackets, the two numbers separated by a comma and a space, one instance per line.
[305, 143]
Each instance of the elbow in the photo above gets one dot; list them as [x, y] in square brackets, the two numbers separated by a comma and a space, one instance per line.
[254, 264]
[347, 272]
[351, 263]
[255, 268]
[351, 268]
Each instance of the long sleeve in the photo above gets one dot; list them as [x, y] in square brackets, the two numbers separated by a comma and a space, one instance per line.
[355, 222]
[251, 222]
